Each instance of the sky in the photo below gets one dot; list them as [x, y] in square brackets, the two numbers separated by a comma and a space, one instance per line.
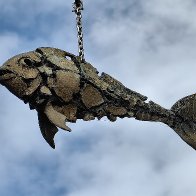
[150, 46]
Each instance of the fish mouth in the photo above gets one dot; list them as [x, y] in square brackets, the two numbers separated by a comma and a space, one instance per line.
[5, 73]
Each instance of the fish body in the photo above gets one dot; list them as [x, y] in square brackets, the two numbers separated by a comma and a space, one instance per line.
[63, 89]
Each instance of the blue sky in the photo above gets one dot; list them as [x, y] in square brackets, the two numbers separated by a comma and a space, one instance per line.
[150, 46]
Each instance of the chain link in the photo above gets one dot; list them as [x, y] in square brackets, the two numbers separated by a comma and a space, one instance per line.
[78, 7]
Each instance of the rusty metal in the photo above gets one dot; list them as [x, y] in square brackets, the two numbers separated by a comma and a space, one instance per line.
[64, 90]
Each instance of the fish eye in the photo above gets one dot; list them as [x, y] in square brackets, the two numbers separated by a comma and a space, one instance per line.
[26, 61]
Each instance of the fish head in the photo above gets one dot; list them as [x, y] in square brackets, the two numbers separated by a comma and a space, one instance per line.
[17, 72]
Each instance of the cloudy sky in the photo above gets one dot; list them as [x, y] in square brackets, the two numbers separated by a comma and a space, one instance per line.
[150, 46]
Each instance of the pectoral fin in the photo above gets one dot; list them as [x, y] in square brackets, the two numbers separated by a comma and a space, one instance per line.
[47, 128]
[55, 117]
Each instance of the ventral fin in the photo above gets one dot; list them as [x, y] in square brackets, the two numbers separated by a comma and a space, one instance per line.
[47, 128]
[55, 117]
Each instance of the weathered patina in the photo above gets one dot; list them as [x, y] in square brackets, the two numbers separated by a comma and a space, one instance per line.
[62, 88]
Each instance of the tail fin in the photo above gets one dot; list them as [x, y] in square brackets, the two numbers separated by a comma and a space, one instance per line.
[185, 123]
[186, 107]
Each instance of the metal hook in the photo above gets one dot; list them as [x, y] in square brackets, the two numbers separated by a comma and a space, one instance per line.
[78, 4]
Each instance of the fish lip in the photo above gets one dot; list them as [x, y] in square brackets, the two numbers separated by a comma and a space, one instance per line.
[6, 73]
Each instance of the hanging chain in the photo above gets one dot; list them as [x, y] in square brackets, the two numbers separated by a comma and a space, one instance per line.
[77, 8]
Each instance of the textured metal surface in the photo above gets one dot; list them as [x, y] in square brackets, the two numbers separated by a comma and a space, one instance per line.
[186, 107]
[63, 90]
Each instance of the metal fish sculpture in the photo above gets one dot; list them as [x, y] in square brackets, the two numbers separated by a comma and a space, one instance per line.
[63, 89]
